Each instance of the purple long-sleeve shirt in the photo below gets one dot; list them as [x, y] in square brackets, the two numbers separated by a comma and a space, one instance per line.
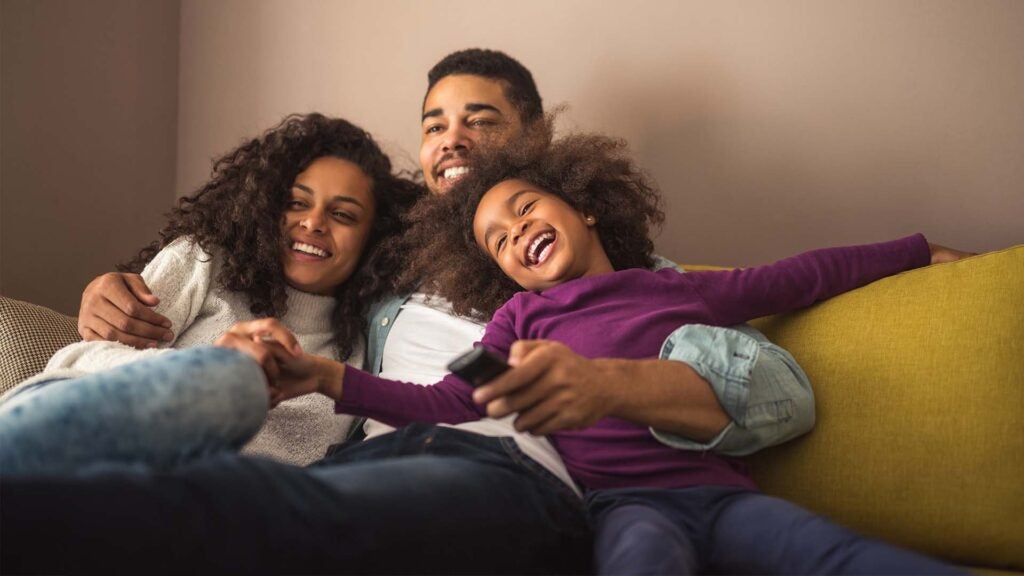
[628, 314]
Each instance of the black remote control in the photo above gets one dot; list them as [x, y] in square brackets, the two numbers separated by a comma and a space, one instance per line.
[478, 366]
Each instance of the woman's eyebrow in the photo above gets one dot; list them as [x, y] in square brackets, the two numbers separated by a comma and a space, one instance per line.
[338, 198]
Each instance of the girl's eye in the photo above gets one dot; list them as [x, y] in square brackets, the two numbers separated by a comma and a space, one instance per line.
[500, 244]
[527, 207]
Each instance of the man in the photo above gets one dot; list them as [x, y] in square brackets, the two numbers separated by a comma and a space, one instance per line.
[422, 499]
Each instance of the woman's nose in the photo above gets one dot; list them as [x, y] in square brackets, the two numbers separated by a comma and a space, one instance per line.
[314, 221]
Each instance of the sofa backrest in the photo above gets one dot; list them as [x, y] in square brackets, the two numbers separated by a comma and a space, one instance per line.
[29, 335]
[919, 384]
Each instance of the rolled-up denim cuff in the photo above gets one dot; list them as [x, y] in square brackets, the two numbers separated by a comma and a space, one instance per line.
[725, 358]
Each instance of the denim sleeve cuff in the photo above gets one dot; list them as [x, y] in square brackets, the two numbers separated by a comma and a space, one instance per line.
[723, 357]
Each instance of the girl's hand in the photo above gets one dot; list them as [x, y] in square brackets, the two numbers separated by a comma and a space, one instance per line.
[942, 254]
[306, 374]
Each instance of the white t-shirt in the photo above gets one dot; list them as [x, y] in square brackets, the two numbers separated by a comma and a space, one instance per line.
[425, 337]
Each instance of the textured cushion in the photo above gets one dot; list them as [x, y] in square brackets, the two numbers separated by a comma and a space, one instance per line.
[919, 381]
[29, 335]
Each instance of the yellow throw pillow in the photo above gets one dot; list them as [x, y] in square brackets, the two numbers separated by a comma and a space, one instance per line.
[919, 382]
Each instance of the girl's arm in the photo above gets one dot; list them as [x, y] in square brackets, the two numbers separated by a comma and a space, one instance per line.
[736, 296]
[360, 393]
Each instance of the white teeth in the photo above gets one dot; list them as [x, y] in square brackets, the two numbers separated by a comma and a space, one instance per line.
[455, 172]
[309, 249]
[531, 252]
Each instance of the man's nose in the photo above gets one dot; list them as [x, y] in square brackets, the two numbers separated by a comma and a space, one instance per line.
[456, 138]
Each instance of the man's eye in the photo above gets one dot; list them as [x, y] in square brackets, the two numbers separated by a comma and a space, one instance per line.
[433, 129]
[480, 122]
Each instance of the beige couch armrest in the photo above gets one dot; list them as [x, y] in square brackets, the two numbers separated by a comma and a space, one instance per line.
[29, 335]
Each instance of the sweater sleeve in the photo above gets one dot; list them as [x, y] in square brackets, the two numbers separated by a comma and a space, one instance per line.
[736, 296]
[449, 401]
[180, 275]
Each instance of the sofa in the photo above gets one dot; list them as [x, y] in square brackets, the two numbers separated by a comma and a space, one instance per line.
[919, 382]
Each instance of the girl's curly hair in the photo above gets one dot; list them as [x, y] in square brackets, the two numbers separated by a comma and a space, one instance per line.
[592, 173]
[240, 210]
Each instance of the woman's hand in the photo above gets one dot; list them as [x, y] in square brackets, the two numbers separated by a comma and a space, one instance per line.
[942, 254]
[290, 372]
[266, 341]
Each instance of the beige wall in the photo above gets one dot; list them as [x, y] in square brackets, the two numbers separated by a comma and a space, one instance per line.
[88, 122]
[772, 126]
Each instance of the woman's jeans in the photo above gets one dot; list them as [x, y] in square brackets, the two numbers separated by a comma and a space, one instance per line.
[728, 530]
[424, 499]
[160, 411]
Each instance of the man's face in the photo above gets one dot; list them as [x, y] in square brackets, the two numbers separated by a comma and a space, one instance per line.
[460, 113]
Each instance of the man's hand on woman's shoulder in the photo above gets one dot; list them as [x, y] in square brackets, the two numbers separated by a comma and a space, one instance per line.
[116, 307]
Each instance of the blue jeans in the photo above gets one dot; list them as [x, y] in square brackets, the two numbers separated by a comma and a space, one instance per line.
[728, 530]
[424, 499]
[160, 411]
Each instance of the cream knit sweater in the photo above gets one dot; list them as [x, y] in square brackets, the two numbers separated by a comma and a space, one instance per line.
[297, 431]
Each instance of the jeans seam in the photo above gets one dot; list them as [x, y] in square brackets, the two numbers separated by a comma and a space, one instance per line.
[522, 459]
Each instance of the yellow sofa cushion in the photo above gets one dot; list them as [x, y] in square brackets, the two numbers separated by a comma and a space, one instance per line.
[919, 382]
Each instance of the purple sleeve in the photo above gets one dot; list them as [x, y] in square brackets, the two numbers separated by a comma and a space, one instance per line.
[736, 296]
[398, 403]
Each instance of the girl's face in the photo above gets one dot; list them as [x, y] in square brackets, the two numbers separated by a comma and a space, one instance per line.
[536, 238]
[326, 224]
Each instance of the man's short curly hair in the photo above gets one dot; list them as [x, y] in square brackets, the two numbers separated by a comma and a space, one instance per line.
[592, 173]
[239, 211]
[517, 81]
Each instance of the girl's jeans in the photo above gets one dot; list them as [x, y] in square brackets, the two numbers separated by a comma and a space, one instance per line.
[729, 530]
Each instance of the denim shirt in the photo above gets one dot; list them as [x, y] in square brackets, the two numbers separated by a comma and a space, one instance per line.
[759, 385]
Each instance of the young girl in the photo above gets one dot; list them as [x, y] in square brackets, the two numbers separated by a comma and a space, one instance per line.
[568, 223]
[281, 230]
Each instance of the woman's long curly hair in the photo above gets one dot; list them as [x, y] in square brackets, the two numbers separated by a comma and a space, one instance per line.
[240, 210]
[592, 173]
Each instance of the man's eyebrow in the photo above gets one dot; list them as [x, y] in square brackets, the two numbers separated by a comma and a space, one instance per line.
[338, 198]
[471, 107]
[510, 203]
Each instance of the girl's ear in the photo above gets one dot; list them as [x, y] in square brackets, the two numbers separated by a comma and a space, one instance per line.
[590, 220]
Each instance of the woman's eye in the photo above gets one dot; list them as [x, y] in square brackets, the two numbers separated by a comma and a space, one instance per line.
[295, 204]
[344, 216]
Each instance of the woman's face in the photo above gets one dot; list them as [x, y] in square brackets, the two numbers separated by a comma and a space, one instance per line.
[536, 238]
[326, 224]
